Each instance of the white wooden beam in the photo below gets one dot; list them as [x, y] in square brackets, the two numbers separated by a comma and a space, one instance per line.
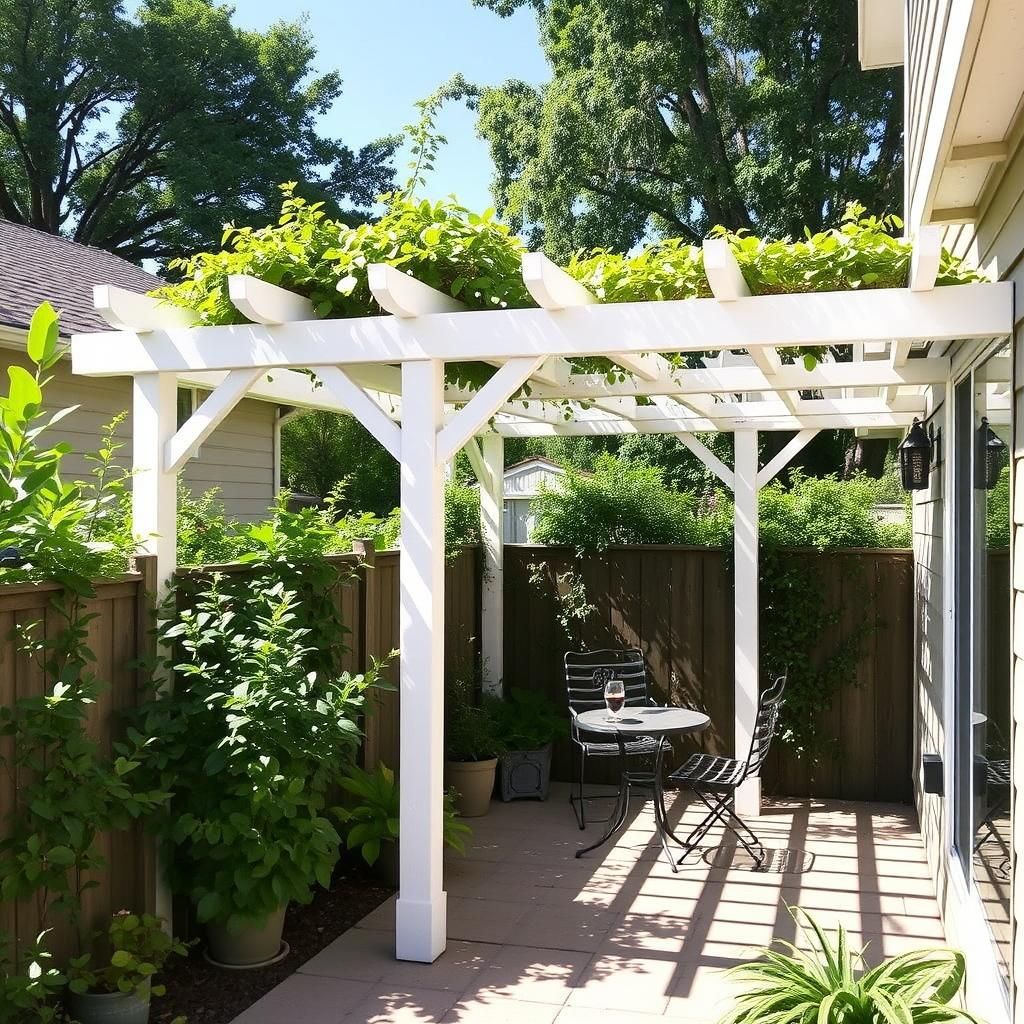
[645, 365]
[554, 372]
[746, 527]
[421, 912]
[406, 297]
[155, 524]
[475, 454]
[899, 352]
[202, 423]
[609, 426]
[365, 409]
[740, 380]
[133, 311]
[723, 272]
[492, 538]
[784, 457]
[975, 311]
[925, 258]
[485, 403]
[709, 458]
[979, 152]
[263, 303]
[550, 286]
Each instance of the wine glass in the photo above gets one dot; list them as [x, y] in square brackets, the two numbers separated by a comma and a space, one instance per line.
[614, 698]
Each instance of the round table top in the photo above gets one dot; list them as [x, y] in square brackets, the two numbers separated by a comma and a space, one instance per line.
[645, 721]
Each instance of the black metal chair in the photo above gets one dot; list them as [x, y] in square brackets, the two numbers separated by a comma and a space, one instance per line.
[715, 779]
[586, 673]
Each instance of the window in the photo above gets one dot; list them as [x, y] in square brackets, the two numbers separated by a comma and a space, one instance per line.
[982, 639]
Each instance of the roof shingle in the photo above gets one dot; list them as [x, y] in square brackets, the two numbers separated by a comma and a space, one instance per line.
[36, 266]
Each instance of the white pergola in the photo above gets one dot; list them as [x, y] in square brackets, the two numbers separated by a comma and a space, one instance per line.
[388, 371]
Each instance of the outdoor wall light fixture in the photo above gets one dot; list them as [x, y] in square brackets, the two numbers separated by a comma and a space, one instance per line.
[916, 457]
[992, 452]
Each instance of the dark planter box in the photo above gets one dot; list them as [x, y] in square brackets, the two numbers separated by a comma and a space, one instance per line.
[526, 773]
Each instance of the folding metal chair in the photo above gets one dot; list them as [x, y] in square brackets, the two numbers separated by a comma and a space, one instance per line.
[715, 779]
[586, 673]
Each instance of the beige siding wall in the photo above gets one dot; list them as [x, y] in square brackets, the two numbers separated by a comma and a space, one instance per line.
[238, 457]
[996, 244]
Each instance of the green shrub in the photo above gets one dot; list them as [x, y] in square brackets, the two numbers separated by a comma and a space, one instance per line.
[248, 743]
[830, 984]
[461, 516]
[526, 720]
[372, 818]
[997, 512]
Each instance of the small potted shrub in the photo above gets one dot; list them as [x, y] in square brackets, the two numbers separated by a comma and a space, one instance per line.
[249, 743]
[136, 948]
[472, 746]
[372, 820]
[527, 724]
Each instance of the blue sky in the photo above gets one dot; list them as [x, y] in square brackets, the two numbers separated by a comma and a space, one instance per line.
[393, 52]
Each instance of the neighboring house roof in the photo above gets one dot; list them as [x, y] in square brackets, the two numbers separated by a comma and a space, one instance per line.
[37, 266]
[537, 461]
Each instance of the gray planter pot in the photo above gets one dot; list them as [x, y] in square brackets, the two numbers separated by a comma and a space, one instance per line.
[249, 947]
[526, 773]
[108, 1007]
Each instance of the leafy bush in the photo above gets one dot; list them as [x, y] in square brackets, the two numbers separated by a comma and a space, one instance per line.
[30, 985]
[461, 516]
[526, 720]
[205, 534]
[138, 949]
[373, 818]
[478, 260]
[68, 790]
[831, 985]
[247, 743]
[997, 512]
[622, 503]
[471, 732]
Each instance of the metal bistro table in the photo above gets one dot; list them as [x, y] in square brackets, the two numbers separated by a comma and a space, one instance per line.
[632, 722]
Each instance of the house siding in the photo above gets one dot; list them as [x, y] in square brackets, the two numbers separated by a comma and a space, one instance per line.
[995, 243]
[237, 458]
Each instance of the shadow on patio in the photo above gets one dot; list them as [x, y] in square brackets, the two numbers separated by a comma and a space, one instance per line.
[537, 935]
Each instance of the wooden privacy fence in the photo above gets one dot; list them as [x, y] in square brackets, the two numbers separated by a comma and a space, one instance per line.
[118, 632]
[676, 604]
[673, 602]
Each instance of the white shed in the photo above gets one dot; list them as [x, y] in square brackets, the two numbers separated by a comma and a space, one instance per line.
[523, 482]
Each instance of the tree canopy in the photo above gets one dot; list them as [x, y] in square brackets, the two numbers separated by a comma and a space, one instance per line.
[673, 116]
[144, 134]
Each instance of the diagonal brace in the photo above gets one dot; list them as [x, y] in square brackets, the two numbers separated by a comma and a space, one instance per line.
[364, 408]
[484, 404]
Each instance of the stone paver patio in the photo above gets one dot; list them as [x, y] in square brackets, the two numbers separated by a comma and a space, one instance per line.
[537, 935]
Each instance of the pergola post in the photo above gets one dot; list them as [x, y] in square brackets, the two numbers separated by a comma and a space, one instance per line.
[155, 512]
[745, 540]
[492, 505]
[422, 902]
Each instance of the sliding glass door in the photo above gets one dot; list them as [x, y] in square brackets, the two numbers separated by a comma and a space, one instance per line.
[981, 712]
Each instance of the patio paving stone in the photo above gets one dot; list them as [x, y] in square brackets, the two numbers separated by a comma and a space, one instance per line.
[537, 936]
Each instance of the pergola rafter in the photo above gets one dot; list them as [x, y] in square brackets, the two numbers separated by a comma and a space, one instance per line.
[388, 371]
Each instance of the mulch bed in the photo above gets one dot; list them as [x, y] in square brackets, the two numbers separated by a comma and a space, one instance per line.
[210, 995]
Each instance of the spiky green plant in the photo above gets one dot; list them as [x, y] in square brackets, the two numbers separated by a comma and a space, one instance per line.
[830, 984]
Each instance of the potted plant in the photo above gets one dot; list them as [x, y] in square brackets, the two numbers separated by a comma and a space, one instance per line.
[372, 821]
[527, 724]
[473, 748]
[249, 743]
[831, 983]
[119, 992]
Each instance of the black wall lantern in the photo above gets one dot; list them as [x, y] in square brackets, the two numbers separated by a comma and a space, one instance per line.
[992, 452]
[915, 458]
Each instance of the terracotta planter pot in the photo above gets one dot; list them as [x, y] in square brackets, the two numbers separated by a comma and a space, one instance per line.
[250, 947]
[474, 783]
[109, 1007]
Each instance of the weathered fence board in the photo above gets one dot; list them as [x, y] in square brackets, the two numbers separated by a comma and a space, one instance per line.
[676, 604]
